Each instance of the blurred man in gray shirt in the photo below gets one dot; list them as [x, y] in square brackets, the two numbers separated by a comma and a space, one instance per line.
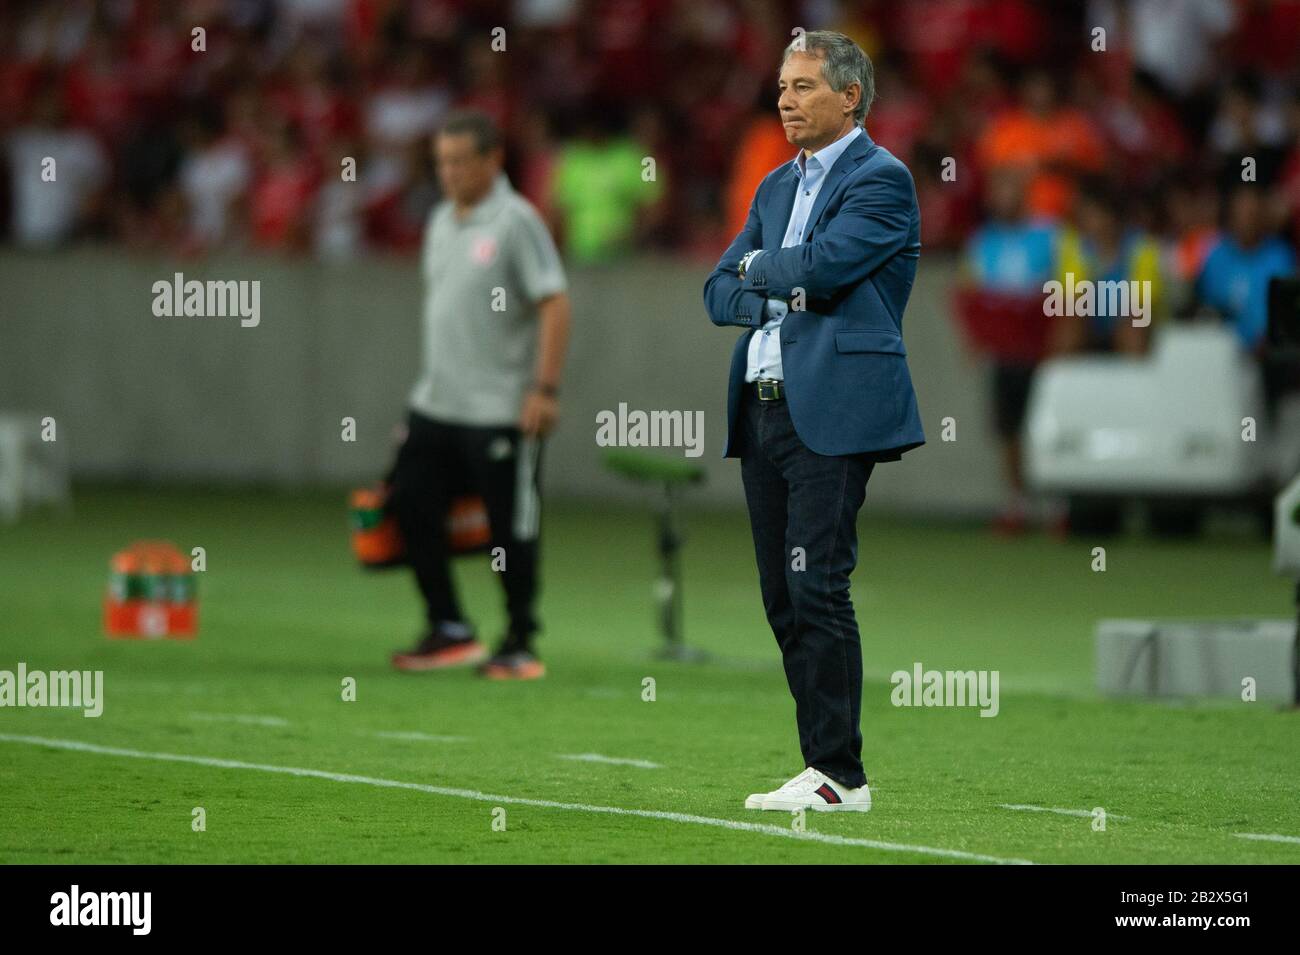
[496, 325]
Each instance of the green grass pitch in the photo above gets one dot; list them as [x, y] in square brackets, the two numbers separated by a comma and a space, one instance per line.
[286, 616]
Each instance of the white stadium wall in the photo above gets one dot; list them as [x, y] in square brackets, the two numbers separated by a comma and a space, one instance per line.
[140, 397]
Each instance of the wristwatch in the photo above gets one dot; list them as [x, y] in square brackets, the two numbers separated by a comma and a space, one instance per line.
[745, 260]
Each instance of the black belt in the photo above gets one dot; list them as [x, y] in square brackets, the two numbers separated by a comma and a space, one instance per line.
[769, 389]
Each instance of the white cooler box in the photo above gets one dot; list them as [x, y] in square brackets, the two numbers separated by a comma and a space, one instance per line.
[1197, 658]
[1167, 424]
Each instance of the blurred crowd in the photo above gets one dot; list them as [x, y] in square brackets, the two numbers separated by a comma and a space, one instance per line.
[241, 136]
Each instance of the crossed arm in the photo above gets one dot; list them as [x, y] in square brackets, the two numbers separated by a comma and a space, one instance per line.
[872, 225]
[724, 298]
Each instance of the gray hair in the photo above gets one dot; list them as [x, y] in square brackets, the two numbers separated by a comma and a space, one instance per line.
[843, 63]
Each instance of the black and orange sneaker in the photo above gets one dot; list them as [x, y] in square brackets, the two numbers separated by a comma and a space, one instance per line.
[513, 662]
[438, 651]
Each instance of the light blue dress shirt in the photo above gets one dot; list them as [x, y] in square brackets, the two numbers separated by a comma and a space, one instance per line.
[765, 344]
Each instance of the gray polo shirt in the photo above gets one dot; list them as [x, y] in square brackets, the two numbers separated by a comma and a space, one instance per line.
[483, 279]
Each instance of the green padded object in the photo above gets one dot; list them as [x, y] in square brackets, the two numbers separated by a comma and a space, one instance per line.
[643, 466]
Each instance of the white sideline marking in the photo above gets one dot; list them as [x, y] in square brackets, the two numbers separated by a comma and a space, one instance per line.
[1266, 837]
[612, 760]
[1062, 812]
[246, 718]
[763, 829]
[253, 720]
[421, 737]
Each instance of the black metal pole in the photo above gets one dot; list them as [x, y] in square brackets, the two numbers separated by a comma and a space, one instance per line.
[1295, 650]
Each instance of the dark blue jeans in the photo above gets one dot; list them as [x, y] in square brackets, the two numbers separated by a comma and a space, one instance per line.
[803, 509]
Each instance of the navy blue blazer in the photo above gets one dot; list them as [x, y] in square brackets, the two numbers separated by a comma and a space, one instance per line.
[847, 382]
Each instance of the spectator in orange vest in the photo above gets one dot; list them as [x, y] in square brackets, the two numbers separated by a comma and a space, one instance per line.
[1054, 143]
[761, 149]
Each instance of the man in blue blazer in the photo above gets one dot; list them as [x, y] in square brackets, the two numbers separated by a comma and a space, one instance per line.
[819, 389]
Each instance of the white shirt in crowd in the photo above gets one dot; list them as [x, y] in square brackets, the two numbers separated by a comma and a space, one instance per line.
[45, 212]
[212, 179]
[1173, 39]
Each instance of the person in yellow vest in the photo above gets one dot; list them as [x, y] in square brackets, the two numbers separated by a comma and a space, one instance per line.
[1101, 249]
[1120, 267]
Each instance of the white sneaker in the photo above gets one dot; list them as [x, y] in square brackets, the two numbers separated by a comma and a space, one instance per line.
[756, 800]
[813, 789]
